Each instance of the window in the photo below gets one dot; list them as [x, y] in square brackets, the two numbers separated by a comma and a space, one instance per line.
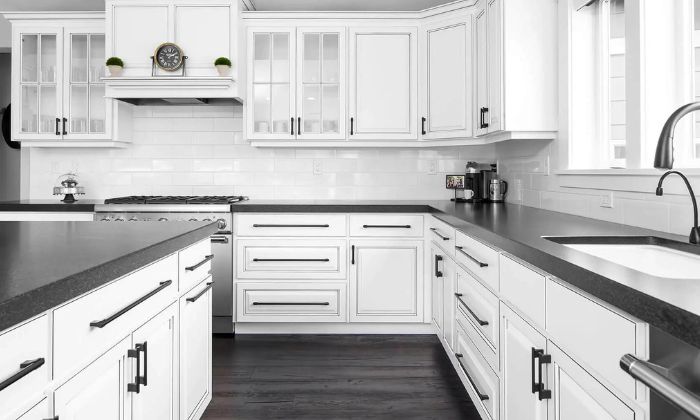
[695, 36]
[614, 11]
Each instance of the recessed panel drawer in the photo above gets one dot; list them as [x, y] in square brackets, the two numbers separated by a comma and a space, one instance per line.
[291, 302]
[476, 375]
[273, 224]
[523, 288]
[91, 324]
[24, 364]
[195, 264]
[478, 258]
[442, 234]
[291, 259]
[479, 307]
[392, 225]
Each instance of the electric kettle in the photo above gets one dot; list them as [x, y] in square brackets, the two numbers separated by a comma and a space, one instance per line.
[497, 190]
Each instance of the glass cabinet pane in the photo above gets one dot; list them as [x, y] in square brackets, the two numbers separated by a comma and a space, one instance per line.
[47, 109]
[280, 58]
[78, 58]
[29, 109]
[261, 60]
[330, 58]
[320, 83]
[30, 48]
[48, 59]
[280, 109]
[97, 57]
[331, 109]
[78, 109]
[261, 105]
[98, 108]
[271, 83]
[312, 109]
[312, 58]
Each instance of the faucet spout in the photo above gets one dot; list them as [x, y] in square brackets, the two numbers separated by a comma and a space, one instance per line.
[663, 159]
[694, 237]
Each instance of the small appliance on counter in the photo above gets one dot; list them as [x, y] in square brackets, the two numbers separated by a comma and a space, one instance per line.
[487, 175]
[68, 187]
[473, 182]
[497, 190]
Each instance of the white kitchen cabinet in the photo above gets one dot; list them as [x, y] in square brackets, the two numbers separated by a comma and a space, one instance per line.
[383, 83]
[57, 86]
[449, 288]
[195, 350]
[523, 354]
[446, 96]
[39, 411]
[437, 258]
[386, 283]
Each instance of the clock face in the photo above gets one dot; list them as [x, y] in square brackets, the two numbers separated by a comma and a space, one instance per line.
[169, 57]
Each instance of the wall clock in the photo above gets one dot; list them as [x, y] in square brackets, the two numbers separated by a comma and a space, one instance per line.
[169, 57]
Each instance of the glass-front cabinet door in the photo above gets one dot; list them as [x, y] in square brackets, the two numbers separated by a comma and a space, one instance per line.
[271, 93]
[320, 86]
[37, 113]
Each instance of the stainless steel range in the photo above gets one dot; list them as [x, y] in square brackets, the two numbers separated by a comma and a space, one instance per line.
[182, 209]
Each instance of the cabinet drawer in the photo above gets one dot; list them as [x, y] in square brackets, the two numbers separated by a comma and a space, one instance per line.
[403, 225]
[480, 381]
[89, 325]
[478, 258]
[480, 308]
[594, 335]
[442, 234]
[524, 289]
[285, 302]
[271, 224]
[195, 264]
[24, 363]
[291, 259]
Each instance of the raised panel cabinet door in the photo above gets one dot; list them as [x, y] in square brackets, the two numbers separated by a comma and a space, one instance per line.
[137, 29]
[576, 395]
[493, 36]
[448, 71]
[383, 84]
[481, 66]
[271, 108]
[437, 260]
[519, 369]
[385, 282]
[100, 390]
[156, 341]
[195, 350]
[204, 33]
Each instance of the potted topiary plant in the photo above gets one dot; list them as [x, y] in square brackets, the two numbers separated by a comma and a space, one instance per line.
[115, 66]
[223, 66]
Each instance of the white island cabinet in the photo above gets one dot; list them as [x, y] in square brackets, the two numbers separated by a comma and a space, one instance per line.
[138, 347]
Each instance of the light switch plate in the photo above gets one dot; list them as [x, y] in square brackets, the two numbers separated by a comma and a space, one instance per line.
[606, 200]
[432, 169]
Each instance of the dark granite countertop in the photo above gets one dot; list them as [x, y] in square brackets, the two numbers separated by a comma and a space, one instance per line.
[672, 305]
[48, 263]
[50, 205]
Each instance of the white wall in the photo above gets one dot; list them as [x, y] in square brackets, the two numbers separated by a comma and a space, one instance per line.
[201, 150]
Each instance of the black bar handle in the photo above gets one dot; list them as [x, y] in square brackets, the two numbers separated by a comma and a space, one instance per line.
[104, 322]
[25, 368]
[219, 239]
[53, 418]
[352, 124]
[352, 255]
[476, 318]
[437, 232]
[201, 263]
[65, 120]
[291, 259]
[291, 303]
[200, 294]
[135, 354]
[438, 273]
[58, 130]
[256, 225]
[482, 396]
[422, 125]
[542, 358]
[299, 126]
[386, 226]
[479, 263]
[292, 121]
[482, 119]
[144, 349]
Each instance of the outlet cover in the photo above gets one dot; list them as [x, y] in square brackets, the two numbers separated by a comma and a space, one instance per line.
[318, 167]
[606, 200]
[432, 169]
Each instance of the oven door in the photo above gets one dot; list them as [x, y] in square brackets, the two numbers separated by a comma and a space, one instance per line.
[222, 272]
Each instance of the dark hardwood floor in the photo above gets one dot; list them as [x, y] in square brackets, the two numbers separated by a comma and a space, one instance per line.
[335, 377]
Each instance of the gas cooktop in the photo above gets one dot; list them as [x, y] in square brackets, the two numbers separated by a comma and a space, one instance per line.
[176, 199]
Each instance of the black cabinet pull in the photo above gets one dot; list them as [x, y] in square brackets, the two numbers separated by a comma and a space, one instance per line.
[352, 128]
[291, 259]
[138, 379]
[25, 368]
[200, 294]
[538, 387]
[386, 226]
[482, 120]
[438, 273]
[104, 322]
[299, 126]
[422, 125]
[292, 123]
[219, 239]
[201, 263]
[482, 396]
[476, 318]
[479, 263]
[58, 130]
[65, 120]
[291, 303]
[437, 232]
[256, 225]
[53, 418]
[352, 255]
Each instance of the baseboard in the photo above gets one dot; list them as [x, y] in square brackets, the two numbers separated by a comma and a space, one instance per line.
[331, 328]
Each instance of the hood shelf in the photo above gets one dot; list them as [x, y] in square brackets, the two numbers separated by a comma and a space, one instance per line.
[175, 90]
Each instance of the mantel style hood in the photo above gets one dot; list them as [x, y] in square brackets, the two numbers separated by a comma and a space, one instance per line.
[202, 32]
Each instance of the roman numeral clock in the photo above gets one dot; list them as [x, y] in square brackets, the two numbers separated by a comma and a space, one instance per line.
[169, 57]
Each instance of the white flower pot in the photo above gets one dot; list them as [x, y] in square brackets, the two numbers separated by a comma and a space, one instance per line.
[115, 71]
[223, 69]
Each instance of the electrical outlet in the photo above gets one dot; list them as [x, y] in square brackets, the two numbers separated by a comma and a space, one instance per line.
[606, 200]
[432, 169]
[318, 167]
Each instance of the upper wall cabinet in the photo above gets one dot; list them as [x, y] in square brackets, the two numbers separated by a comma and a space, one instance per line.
[57, 87]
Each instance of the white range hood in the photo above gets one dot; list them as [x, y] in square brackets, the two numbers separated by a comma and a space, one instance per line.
[203, 29]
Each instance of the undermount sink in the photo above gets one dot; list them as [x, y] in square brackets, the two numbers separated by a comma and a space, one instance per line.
[651, 255]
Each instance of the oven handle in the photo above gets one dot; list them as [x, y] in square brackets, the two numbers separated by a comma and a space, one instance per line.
[219, 239]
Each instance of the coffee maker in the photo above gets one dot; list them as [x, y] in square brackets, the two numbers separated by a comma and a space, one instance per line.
[487, 175]
[474, 182]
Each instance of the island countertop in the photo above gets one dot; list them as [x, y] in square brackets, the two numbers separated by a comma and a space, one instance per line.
[46, 264]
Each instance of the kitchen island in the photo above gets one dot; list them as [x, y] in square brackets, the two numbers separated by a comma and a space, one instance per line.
[86, 307]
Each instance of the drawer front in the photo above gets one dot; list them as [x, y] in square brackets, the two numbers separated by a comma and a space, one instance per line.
[271, 224]
[442, 234]
[478, 258]
[285, 302]
[481, 381]
[22, 381]
[594, 335]
[393, 225]
[488, 351]
[524, 289]
[479, 305]
[91, 324]
[291, 259]
[195, 264]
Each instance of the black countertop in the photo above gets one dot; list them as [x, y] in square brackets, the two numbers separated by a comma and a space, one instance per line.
[673, 305]
[56, 205]
[48, 263]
